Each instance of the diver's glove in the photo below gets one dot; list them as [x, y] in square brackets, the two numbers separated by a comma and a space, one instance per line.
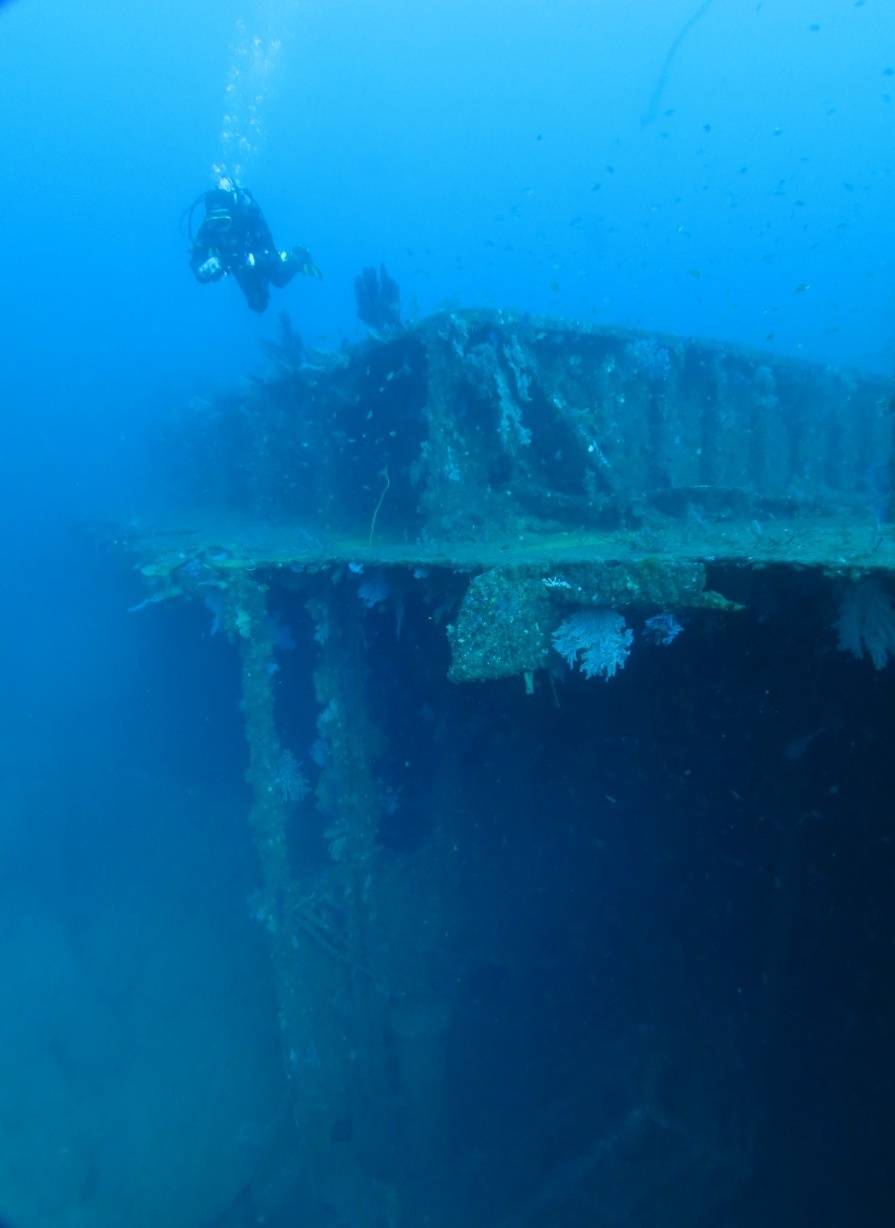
[302, 258]
[211, 270]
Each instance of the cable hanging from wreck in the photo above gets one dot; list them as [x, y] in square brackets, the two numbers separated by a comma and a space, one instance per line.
[655, 98]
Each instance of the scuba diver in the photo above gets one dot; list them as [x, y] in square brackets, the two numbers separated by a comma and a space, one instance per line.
[235, 238]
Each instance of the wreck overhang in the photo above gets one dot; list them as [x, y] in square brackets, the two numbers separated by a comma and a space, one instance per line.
[544, 464]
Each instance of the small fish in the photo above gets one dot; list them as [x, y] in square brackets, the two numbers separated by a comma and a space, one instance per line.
[802, 287]
[796, 748]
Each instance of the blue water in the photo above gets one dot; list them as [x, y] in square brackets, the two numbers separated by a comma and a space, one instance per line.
[723, 170]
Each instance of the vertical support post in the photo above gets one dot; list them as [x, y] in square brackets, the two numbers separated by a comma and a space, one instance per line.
[248, 621]
[349, 795]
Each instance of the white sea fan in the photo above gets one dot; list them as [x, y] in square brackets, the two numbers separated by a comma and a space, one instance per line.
[292, 781]
[866, 622]
[599, 637]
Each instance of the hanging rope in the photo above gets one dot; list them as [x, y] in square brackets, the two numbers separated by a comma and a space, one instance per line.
[655, 98]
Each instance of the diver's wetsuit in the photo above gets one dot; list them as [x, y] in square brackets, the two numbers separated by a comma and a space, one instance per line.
[235, 238]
